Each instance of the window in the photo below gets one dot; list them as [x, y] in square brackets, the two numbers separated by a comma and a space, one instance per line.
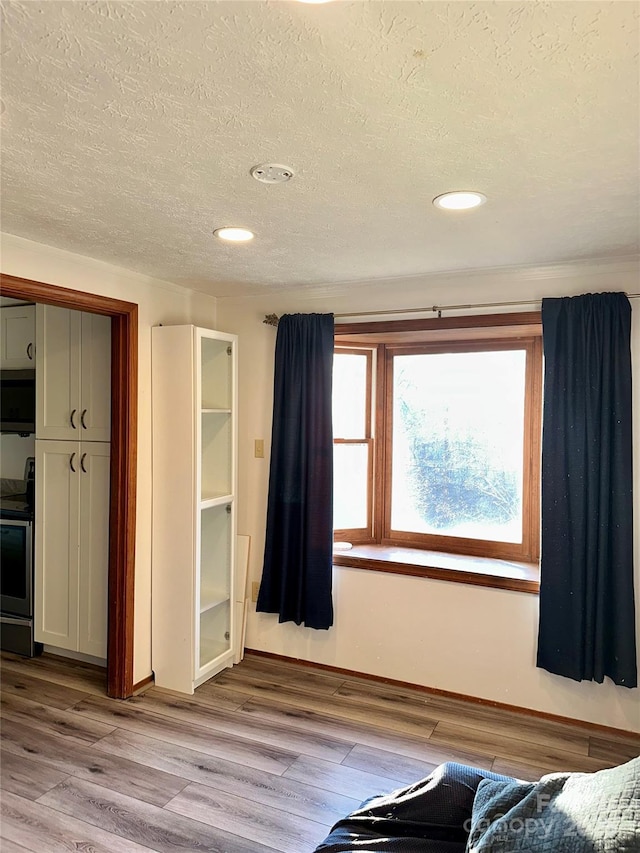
[437, 435]
[353, 443]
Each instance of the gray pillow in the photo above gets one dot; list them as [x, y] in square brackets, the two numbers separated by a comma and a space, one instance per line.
[562, 813]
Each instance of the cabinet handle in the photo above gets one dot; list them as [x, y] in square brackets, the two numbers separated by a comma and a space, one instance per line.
[82, 458]
[73, 456]
[73, 423]
[84, 412]
[30, 352]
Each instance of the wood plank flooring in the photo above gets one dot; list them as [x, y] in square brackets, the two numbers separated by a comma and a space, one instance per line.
[265, 757]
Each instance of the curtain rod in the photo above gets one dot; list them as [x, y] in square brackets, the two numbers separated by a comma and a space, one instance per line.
[272, 319]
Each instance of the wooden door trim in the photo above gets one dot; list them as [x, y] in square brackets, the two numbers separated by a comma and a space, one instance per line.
[124, 448]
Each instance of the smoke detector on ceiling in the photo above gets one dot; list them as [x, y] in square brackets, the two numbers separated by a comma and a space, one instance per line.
[271, 173]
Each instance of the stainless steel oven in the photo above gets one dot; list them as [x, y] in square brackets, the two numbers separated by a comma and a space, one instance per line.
[16, 574]
[16, 583]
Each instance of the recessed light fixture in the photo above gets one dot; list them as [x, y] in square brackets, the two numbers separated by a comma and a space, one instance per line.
[234, 235]
[459, 200]
[314, 1]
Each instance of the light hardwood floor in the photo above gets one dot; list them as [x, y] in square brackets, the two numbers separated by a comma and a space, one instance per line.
[264, 757]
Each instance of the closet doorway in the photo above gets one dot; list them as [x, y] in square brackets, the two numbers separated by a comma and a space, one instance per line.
[124, 439]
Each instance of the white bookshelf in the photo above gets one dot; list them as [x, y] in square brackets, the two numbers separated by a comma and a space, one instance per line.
[194, 496]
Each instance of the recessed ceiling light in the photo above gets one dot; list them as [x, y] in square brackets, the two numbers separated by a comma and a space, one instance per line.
[234, 235]
[459, 200]
[314, 1]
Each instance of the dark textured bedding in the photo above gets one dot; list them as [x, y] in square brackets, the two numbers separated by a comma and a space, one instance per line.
[459, 808]
[432, 816]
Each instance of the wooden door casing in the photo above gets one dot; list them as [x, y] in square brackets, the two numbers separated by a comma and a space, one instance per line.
[124, 421]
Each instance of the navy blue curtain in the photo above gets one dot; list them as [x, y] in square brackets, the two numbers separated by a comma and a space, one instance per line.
[587, 611]
[297, 570]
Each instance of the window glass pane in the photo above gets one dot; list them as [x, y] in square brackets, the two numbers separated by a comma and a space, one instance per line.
[349, 395]
[458, 432]
[350, 481]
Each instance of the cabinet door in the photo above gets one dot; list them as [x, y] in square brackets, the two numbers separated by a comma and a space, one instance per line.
[215, 534]
[214, 585]
[57, 543]
[95, 377]
[18, 337]
[57, 373]
[94, 548]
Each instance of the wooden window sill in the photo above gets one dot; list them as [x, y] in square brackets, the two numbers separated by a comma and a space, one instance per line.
[458, 568]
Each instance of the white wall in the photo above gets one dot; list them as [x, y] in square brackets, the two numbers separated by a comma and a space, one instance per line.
[467, 639]
[158, 302]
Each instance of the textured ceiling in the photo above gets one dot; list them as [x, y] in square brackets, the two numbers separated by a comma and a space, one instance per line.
[129, 130]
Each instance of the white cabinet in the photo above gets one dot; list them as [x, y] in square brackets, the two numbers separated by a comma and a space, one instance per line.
[73, 375]
[72, 545]
[18, 337]
[194, 504]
